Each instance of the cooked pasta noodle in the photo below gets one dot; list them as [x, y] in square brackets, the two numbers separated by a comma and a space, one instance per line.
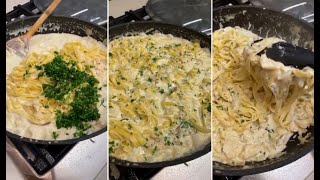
[159, 97]
[28, 110]
[257, 103]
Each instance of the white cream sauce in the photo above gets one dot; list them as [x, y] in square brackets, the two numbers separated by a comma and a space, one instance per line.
[185, 140]
[41, 44]
[267, 139]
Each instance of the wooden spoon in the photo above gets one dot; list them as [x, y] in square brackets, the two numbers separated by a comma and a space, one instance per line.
[20, 45]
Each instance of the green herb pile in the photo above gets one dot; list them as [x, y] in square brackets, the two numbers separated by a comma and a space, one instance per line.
[76, 88]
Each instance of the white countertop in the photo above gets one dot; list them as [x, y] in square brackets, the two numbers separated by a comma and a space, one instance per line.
[87, 160]
[302, 169]
[118, 7]
[11, 3]
[198, 169]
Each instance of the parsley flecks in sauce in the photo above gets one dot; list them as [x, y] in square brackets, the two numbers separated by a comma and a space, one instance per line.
[167, 141]
[38, 67]
[161, 91]
[55, 135]
[66, 80]
[209, 107]
[111, 146]
[154, 150]
[185, 124]
[26, 73]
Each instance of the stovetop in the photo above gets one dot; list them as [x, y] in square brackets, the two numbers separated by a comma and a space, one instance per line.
[301, 9]
[130, 16]
[41, 157]
[30, 9]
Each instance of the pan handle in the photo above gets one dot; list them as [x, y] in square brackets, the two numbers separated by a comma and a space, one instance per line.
[23, 165]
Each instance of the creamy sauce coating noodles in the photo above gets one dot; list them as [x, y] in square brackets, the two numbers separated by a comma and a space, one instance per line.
[258, 104]
[28, 112]
[159, 97]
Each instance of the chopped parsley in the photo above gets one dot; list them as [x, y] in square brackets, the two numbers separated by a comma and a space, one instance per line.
[111, 147]
[154, 150]
[41, 74]
[209, 107]
[185, 124]
[145, 145]
[79, 133]
[161, 91]
[167, 141]
[102, 102]
[38, 67]
[55, 135]
[66, 78]
[26, 73]
[68, 82]
[141, 72]
[154, 59]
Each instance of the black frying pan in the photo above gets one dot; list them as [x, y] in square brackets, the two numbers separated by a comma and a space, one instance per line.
[266, 23]
[149, 28]
[57, 24]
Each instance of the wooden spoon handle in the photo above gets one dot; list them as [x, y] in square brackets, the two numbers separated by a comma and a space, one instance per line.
[42, 18]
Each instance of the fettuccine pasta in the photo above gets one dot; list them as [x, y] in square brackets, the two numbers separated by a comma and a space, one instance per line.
[159, 97]
[29, 112]
[258, 104]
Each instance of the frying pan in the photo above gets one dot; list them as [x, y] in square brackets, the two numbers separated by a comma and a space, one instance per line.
[150, 27]
[57, 24]
[266, 23]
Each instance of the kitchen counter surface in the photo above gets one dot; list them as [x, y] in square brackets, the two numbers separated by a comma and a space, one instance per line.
[121, 6]
[12, 3]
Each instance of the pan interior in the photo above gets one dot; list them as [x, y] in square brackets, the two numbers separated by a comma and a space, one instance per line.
[57, 24]
[130, 29]
[266, 23]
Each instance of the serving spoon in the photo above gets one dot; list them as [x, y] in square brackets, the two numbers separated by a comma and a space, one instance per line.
[20, 45]
[289, 54]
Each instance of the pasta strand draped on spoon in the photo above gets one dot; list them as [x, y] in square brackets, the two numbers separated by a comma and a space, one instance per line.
[257, 103]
